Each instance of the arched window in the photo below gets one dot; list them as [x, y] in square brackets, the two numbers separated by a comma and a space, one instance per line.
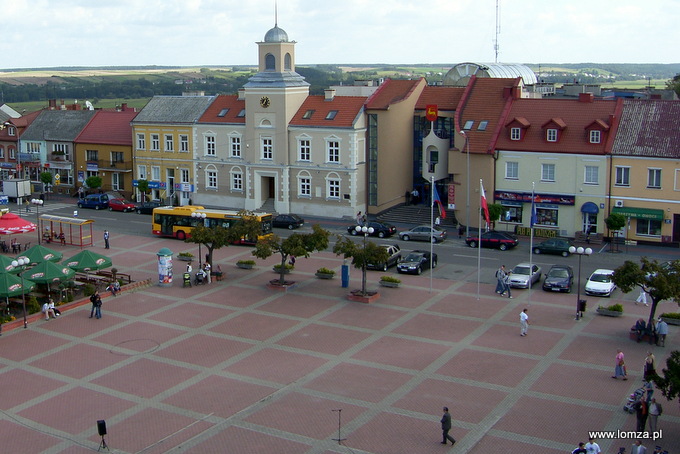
[288, 62]
[236, 179]
[211, 181]
[304, 180]
[269, 62]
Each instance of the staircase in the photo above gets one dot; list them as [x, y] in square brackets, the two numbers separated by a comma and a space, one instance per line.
[415, 214]
[267, 206]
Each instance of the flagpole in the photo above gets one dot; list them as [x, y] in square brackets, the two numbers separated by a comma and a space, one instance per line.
[431, 224]
[479, 236]
[531, 239]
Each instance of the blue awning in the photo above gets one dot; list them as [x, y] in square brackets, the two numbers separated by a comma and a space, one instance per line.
[590, 208]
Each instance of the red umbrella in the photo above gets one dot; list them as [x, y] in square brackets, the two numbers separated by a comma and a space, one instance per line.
[10, 223]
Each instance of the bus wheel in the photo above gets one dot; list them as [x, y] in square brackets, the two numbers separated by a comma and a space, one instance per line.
[181, 235]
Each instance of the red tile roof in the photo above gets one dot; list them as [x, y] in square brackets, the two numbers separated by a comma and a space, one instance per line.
[20, 123]
[650, 128]
[392, 92]
[446, 98]
[574, 118]
[485, 99]
[347, 107]
[231, 104]
[108, 127]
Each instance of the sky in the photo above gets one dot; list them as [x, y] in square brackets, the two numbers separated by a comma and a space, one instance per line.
[49, 33]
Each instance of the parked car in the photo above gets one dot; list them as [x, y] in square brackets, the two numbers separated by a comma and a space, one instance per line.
[147, 207]
[288, 221]
[558, 246]
[380, 229]
[121, 205]
[96, 201]
[424, 233]
[417, 261]
[559, 279]
[525, 275]
[493, 239]
[394, 255]
[600, 283]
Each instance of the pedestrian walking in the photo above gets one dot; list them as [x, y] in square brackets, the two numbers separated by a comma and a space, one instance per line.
[649, 388]
[641, 413]
[106, 239]
[500, 279]
[637, 448]
[642, 298]
[524, 321]
[592, 447]
[446, 426]
[655, 410]
[506, 284]
[649, 368]
[661, 332]
[437, 221]
[580, 450]
[96, 301]
[619, 365]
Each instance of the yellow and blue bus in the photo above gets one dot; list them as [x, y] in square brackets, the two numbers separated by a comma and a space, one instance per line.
[178, 222]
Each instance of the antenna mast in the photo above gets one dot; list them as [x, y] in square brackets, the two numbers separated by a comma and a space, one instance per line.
[276, 14]
[498, 31]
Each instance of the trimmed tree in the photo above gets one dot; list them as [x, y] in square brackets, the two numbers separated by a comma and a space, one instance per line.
[297, 245]
[361, 256]
[615, 222]
[495, 212]
[669, 382]
[93, 182]
[143, 187]
[661, 283]
[46, 179]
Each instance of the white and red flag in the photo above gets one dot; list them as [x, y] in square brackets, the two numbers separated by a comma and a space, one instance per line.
[484, 204]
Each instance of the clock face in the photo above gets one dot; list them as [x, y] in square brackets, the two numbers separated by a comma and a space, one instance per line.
[264, 101]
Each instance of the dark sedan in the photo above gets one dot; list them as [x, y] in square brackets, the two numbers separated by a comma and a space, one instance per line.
[288, 221]
[380, 229]
[147, 207]
[559, 279]
[493, 239]
[558, 246]
[416, 262]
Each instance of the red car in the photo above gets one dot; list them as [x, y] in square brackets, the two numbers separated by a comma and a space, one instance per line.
[121, 205]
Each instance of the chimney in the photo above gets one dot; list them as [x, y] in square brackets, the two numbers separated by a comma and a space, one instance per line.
[586, 97]
[52, 104]
[123, 107]
[241, 94]
[329, 94]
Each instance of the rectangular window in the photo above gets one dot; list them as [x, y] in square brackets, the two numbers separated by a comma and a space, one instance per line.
[482, 125]
[595, 136]
[235, 147]
[11, 131]
[515, 133]
[267, 148]
[305, 187]
[223, 112]
[141, 142]
[141, 172]
[547, 216]
[155, 142]
[654, 178]
[512, 170]
[155, 173]
[304, 150]
[91, 155]
[210, 145]
[184, 176]
[468, 125]
[117, 156]
[2, 152]
[622, 176]
[333, 151]
[648, 227]
[33, 147]
[547, 172]
[551, 135]
[211, 179]
[512, 214]
[308, 114]
[242, 113]
[169, 142]
[12, 153]
[237, 181]
[183, 143]
[592, 175]
[333, 189]
[331, 114]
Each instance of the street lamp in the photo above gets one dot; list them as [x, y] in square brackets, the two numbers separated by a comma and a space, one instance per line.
[366, 231]
[22, 262]
[580, 252]
[38, 203]
[200, 216]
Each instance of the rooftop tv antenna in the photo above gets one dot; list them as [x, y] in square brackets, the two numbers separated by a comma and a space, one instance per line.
[496, 46]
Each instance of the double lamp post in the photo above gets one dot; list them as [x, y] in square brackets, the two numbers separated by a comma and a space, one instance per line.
[580, 305]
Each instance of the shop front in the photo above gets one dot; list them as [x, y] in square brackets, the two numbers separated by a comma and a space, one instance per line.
[553, 212]
[644, 224]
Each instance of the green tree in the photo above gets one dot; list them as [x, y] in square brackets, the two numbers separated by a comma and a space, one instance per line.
[93, 182]
[615, 222]
[669, 382]
[661, 283]
[297, 245]
[674, 84]
[495, 212]
[46, 178]
[143, 187]
[361, 255]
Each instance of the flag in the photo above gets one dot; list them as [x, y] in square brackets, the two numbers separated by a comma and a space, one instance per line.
[534, 219]
[438, 201]
[485, 206]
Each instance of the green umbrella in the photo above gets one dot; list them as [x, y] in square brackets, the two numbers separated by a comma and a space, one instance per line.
[48, 272]
[10, 285]
[40, 253]
[6, 265]
[87, 260]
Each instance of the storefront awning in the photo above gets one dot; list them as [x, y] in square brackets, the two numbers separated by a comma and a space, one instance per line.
[590, 208]
[640, 213]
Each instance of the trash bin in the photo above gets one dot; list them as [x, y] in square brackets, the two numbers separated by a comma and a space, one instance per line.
[582, 306]
[345, 274]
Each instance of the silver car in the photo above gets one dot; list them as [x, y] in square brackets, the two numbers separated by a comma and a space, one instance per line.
[424, 233]
[523, 274]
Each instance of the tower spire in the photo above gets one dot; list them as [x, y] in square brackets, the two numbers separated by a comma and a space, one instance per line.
[276, 14]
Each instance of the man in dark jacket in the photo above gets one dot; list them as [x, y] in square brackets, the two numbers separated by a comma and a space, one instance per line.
[446, 426]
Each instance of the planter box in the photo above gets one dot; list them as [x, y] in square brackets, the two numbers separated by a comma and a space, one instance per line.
[671, 321]
[184, 258]
[608, 313]
[245, 266]
[389, 284]
[324, 275]
[278, 270]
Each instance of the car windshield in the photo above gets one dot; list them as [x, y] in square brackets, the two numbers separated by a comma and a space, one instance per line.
[413, 257]
[604, 278]
[559, 273]
[521, 270]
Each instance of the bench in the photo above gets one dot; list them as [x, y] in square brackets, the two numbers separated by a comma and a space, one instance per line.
[646, 337]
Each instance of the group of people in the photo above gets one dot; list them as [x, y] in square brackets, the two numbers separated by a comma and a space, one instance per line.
[593, 448]
[361, 219]
[202, 274]
[656, 331]
[503, 281]
[49, 309]
[96, 301]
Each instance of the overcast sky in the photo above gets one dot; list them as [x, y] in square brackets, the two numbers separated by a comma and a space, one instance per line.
[45, 33]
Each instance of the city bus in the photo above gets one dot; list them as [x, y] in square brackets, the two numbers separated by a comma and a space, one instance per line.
[178, 222]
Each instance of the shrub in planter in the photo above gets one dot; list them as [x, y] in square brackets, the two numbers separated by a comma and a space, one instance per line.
[389, 281]
[245, 264]
[325, 273]
[185, 256]
[614, 310]
[672, 318]
[287, 268]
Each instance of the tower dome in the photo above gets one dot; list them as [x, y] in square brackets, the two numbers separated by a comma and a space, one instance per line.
[276, 35]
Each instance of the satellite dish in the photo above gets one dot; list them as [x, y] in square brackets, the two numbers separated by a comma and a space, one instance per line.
[89, 105]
